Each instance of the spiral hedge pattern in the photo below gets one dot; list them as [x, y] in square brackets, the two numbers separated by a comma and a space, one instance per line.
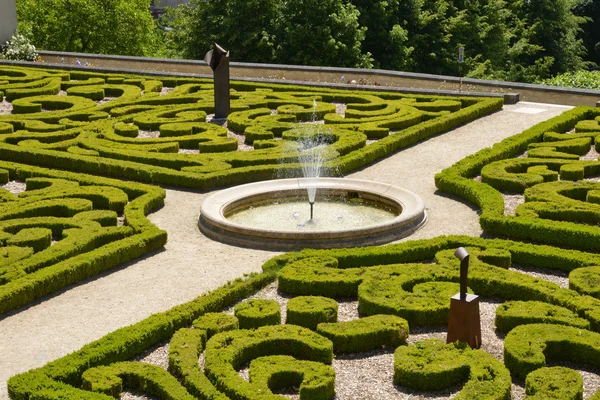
[71, 134]
[71, 149]
[395, 285]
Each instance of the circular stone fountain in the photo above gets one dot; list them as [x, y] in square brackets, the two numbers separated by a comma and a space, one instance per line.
[275, 214]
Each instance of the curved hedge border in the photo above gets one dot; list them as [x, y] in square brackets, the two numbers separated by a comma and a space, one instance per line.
[527, 347]
[549, 221]
[364, 334]
[63, 377]
[514, 313]
[434, 365]
[257, 312]
[79, 209]
[554, 383]
[74, 133]
[310, 311]
[315, 380]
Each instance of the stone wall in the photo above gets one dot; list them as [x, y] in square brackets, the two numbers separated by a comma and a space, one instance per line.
[8, 20]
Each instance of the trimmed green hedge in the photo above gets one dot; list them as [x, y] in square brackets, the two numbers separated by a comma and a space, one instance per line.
[555, 219]
[79, 210]
[558, 383]
[228, 351]
[310, 311]
[514, 313]
[314, 380]
[255, 313]
[231, 349]
[527, 347]
[364, 334]
[102, 139]
[434, 365]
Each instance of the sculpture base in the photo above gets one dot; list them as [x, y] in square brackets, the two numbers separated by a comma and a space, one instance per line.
[464, 323]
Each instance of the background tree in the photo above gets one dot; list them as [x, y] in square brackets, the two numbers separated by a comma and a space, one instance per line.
[590, 9]
[122, 27]
[244, 27]
[320, 32]
[389, 24]
[305, 32]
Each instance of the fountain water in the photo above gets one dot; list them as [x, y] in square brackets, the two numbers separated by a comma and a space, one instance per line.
[350, 212]
[313, 156]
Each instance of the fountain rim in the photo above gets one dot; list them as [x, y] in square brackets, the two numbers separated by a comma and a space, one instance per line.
[214, 224]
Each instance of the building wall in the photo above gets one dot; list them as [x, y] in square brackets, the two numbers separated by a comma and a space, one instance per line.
[170, 3]
[8, 20]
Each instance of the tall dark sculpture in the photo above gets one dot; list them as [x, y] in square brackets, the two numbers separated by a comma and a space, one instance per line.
[218, 60]
[464, 322]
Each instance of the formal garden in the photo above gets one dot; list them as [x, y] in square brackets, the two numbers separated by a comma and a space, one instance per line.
[86, 157]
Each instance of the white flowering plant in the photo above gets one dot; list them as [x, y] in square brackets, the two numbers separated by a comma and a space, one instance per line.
[18, 48]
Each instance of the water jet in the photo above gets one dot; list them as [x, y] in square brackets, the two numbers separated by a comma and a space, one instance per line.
[355, 213]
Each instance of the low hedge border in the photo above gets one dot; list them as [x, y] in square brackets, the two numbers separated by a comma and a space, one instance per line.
[255, 313]
[527, 347]
[92, 127]
[151, 379]
[314, 380]
[184, 351]
[213, 323]
[554, 383]
[226, 352]
[511, 314]
[501, 172]
[381, 286]
[77, 256]
[365, 334]
[310, 311]
[434, 365]
[63, 377]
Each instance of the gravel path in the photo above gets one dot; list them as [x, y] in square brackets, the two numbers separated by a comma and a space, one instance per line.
[191, 264]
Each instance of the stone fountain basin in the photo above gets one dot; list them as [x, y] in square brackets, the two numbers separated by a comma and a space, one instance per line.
[213, 221]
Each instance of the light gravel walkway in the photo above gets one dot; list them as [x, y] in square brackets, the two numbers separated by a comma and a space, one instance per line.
[192, 264]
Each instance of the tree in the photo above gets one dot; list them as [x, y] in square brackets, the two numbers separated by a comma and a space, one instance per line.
[320, 32]
[590, 9]
[123, 27]
[306, 32]
[389, 24]
[244, 27]
[546, 39]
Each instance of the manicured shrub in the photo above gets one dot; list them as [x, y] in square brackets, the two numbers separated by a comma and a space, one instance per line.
[256, 313]
[213, 323]
[514, 313]
[586, 281]
[554, 383]
[434, 365]
[527, 347]
[310, 311]
[314, 380]
[364, 334]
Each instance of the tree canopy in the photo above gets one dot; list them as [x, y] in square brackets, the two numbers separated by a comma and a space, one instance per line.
[122, 27]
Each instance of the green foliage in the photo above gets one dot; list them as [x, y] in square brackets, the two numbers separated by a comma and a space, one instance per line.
[578, 79]
[310, 311]
[123, 27]
[364, 334]
[554, 383]
[527, 347]
[301, 32]
[514, 313]
[73, 132]
[433, 365]
[257, 312]
[586, 281]
[315, 380]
